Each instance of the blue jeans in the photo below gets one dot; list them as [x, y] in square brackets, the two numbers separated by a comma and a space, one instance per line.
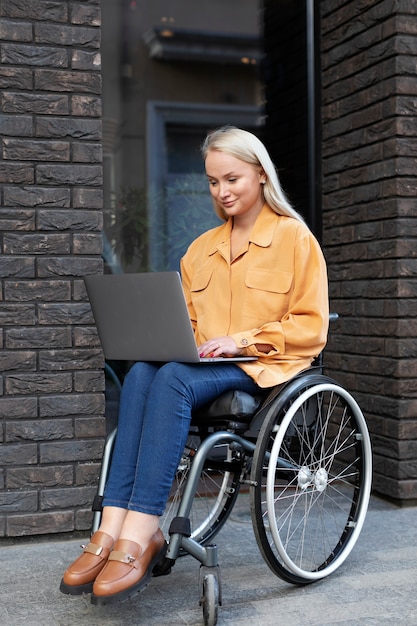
[154, 419]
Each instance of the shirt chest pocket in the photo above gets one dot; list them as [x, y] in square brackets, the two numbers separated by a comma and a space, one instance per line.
[201, 288]
[267, 294]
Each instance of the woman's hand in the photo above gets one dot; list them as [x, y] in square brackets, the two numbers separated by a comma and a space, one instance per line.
[220, 346]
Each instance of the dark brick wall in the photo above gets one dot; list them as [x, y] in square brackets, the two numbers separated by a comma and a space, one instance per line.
[51, 381]
[369, 90]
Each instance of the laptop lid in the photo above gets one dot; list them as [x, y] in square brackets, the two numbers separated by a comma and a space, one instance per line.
[144, 317]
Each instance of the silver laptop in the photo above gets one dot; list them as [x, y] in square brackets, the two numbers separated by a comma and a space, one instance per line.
[144, 317]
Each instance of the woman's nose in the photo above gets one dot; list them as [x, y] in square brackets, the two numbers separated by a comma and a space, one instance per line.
[224, 190]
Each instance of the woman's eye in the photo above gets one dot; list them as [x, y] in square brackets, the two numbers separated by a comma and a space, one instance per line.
[212, 183]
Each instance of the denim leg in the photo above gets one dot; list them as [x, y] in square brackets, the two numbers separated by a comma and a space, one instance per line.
[176, 390]
[133, 398]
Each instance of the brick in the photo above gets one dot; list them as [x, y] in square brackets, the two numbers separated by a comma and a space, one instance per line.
[69, 175]
[18, 267]
[35, 10]
[71, 451]
[33, 384]
[86, 153]
[70, 220]
[67, 35]
[61, 127]
[17, 54]
[16, 126]
[26, 453]
[37, 244]
[68, 266]
[67, 81]
[17, 173]
[400, 307]
[90, 427]
[17, 501]
[80, 293]
[37, 197]
[38, 290]
[87, 473]
[88, 198]
[38, 338]
[83, 519]
[61, 498]
[10, 79]
[65, 313]
[91, 381]
[39, 430]
[86, 337]
[50, 104]
[19, 150]
[65, 359]
[85, 14]
[91, 243]
[40, 477]
[18, 408]
[85, 60]
[17, 360]
[402, 348]
[86, 106]
[71, 404]
[17, 219]
[14, 30]
[40, 523]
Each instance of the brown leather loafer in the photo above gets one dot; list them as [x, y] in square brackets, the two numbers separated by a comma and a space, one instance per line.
[80, 575]
[128, 570]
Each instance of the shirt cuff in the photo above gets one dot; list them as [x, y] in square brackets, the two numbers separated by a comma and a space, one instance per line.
[243, 340]
[247, 341]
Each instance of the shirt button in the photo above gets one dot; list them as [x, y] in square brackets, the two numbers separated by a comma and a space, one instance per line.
[244, 342]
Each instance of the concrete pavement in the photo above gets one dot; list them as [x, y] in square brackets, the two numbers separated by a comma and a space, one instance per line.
[376, 586]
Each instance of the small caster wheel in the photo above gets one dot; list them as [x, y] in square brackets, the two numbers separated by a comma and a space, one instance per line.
[210, 599]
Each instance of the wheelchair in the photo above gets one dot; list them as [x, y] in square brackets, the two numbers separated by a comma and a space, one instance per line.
[302, 451]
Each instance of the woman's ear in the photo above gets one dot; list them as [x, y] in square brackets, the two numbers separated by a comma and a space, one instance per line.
[262, 177]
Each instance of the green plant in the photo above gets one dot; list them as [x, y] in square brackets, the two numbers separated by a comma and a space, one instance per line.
[128, 230]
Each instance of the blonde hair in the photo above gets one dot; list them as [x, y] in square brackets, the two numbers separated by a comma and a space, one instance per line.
[245, 146]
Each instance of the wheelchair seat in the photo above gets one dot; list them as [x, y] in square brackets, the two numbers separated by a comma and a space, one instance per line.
[233, 409]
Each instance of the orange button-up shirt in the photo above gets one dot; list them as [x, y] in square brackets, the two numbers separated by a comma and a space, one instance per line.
[274, 292]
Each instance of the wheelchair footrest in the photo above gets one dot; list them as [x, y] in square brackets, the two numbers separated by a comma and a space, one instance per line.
[180, 526]
[164, 567]
[97, 503]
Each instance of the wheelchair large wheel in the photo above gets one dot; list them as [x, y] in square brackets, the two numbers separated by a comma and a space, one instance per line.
[312, 475]
[216, 494]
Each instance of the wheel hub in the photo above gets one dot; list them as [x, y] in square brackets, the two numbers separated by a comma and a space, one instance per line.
[309, 479]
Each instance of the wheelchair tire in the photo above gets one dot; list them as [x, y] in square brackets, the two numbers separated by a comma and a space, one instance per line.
[216, 494]
[210, 600]
[312, 471]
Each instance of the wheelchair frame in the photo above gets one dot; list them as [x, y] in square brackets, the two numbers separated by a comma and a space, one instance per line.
[308, 440]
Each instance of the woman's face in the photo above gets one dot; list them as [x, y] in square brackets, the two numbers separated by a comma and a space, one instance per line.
[234, 184]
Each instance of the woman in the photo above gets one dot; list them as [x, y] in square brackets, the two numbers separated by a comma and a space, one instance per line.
[256, 285]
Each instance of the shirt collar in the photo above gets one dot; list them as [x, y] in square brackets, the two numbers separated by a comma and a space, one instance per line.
[264, 226]
[261, 234]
